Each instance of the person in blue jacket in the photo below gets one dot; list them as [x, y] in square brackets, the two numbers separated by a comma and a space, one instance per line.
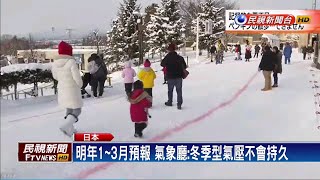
[287, 53]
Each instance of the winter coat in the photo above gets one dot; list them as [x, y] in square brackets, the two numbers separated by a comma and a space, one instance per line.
[248, 52]
[98, 69]
[278, 67]
[220, 48]
[175, 65]
[257, 48]
[164, 69]
[66, 72]
[287, 51]
[140, 101]
[268, 61]
[128, 73]
[213, 50]
[147, 76]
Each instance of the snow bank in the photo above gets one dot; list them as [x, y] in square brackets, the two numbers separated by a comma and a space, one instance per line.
[23, 67]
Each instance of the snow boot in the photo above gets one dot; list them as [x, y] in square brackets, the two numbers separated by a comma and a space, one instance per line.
[68, 129]
[275, 85]
[179, 107]
[168, 104]
[138, 135]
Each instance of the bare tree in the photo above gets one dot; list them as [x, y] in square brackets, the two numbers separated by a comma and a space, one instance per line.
[191, 8]
[31, 46]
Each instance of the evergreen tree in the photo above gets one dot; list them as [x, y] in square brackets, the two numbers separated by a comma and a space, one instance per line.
[172, 21]
[156, 32]
[165, 26]
[124, 35]
[210, 12]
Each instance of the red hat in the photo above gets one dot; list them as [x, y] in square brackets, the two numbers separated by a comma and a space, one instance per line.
[172, 47]
[147, 63]
[65, 48]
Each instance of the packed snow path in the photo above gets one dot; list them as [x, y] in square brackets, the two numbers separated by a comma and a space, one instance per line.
[221, 103]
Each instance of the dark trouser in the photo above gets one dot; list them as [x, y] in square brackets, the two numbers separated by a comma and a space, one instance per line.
[98, 83]
[165, 78]
[287, 60]
[275, 78]
[256, 55]
[178, 84]
[149, 91]
[128, 87]
[304, 56]
[139, 127]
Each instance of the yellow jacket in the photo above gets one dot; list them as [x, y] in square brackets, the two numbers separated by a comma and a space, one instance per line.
[147, 76]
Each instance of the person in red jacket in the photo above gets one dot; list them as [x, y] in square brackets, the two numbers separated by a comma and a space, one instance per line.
[140, 102]
[164, 69]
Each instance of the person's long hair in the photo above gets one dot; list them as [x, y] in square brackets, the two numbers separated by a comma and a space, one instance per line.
[276, 49]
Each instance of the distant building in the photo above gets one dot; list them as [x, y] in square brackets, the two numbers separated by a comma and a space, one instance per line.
[49, 55]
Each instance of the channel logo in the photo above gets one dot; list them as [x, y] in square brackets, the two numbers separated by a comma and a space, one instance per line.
[303, 19]
[241, 19]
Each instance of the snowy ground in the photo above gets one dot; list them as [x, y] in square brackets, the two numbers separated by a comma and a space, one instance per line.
[222, 103]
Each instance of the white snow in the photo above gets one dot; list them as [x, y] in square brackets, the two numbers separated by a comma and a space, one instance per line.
[22, 67]
[284, 114]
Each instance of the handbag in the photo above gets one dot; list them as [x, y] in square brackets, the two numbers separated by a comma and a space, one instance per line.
[185, 74]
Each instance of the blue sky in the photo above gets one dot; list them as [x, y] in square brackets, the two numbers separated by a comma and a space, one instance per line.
[25, 16]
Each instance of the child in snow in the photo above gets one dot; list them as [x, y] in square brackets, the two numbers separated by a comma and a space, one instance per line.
[164, 69]
[248, 51]
[140, 102]
[147, 76]
[128, 74]
[66, 72]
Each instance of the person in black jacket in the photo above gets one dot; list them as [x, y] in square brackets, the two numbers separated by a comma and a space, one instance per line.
[278, 66]
[213, 51]
[98, 71]
[175, 66]
[267, 65]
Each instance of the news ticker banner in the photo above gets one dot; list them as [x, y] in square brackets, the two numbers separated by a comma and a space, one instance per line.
[272, 21]
[168, 152]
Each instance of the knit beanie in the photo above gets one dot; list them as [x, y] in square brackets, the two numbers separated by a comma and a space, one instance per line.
[65, 48]
[147, 63]
[172, 47]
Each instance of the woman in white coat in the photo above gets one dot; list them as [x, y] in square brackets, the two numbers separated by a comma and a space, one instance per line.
[66, 72]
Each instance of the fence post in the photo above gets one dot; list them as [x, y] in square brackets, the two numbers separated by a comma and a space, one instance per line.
[187, 60]
[25, 95]
[41, 89]
[12, 96]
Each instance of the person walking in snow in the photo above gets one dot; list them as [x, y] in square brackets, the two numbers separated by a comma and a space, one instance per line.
[304, 52]
[66, 72]
[287, 53]
[267, 65]
[220, 51]
[128, 75]
[147, 76]
[278, 66]
[248, 55]
[256, 51]
[238, 52]
[140, 102]
[176, 72]
[99, 72]
[213, 51]
[164, 70]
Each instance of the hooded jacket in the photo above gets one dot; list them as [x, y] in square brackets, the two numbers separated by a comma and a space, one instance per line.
[98, 68]
[140, 101]
[175, 65]
[147, 76]
[66, 72]
[268, 61]
[287, 51]
[128, 73]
